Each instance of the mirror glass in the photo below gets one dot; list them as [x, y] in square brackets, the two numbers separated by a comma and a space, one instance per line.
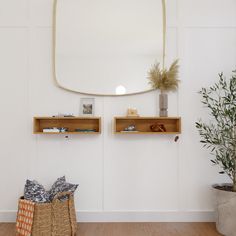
[106, 47]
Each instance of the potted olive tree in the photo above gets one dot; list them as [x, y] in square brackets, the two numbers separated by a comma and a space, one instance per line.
[219, 136]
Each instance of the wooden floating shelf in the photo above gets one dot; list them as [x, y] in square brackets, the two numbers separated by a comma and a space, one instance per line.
[171, 124]
[71, 123]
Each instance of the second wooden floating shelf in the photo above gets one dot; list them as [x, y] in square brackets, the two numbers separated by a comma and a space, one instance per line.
[71, 123]
[172, 125]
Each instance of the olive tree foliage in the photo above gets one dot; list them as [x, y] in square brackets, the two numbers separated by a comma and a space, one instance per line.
[219, 134]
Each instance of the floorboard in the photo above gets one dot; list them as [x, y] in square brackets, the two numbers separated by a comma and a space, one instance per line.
[133, 229]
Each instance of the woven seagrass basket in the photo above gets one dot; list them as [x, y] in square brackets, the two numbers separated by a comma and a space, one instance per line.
[55, 219]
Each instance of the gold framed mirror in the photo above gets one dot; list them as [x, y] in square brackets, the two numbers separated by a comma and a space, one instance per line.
[107, 47]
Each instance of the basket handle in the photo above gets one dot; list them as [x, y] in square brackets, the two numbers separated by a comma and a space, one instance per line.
[61, 194]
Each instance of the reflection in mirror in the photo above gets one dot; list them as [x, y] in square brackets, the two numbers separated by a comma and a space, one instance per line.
[106, 47]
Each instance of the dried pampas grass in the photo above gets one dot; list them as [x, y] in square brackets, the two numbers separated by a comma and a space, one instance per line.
[165, 80]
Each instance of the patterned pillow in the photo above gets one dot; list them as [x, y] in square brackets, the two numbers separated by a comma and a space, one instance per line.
[61, 186]
[35, 192]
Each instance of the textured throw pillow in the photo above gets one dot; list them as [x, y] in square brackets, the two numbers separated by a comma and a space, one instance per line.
[61, 186]
[35, 192]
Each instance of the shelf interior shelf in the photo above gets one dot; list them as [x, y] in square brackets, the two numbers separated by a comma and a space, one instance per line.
[143, 125]
[71, 123]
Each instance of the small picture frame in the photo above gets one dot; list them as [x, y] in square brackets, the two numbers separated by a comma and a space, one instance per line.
[87, 106]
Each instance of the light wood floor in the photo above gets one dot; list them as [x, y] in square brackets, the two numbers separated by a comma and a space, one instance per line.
[133, 229]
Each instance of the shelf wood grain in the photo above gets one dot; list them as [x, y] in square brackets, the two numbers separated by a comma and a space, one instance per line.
[172, 124]
[72, 123]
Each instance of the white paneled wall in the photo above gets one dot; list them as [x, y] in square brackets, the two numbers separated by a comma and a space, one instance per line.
[122, 178]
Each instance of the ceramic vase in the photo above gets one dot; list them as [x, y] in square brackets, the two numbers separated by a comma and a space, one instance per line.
[163, 104]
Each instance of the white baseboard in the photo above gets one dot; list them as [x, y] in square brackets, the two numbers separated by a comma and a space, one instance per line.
[146, 216]
[131, 216]
[7, 216]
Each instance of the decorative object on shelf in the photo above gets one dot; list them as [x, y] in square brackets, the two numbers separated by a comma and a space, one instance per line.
[163, 104]
[64, 115]
[51, 130]
[63, 129]
[219, 136]
[158, 128]
[130, 128]
[85, 130]
[69, 116]
[55, 130]
[171, 125]
[87, 106]
[132, 112]
[165, 81]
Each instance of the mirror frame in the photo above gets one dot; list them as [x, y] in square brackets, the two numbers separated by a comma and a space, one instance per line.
[54, 42]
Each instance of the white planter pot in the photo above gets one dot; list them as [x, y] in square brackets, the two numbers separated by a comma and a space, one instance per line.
[225, 212]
